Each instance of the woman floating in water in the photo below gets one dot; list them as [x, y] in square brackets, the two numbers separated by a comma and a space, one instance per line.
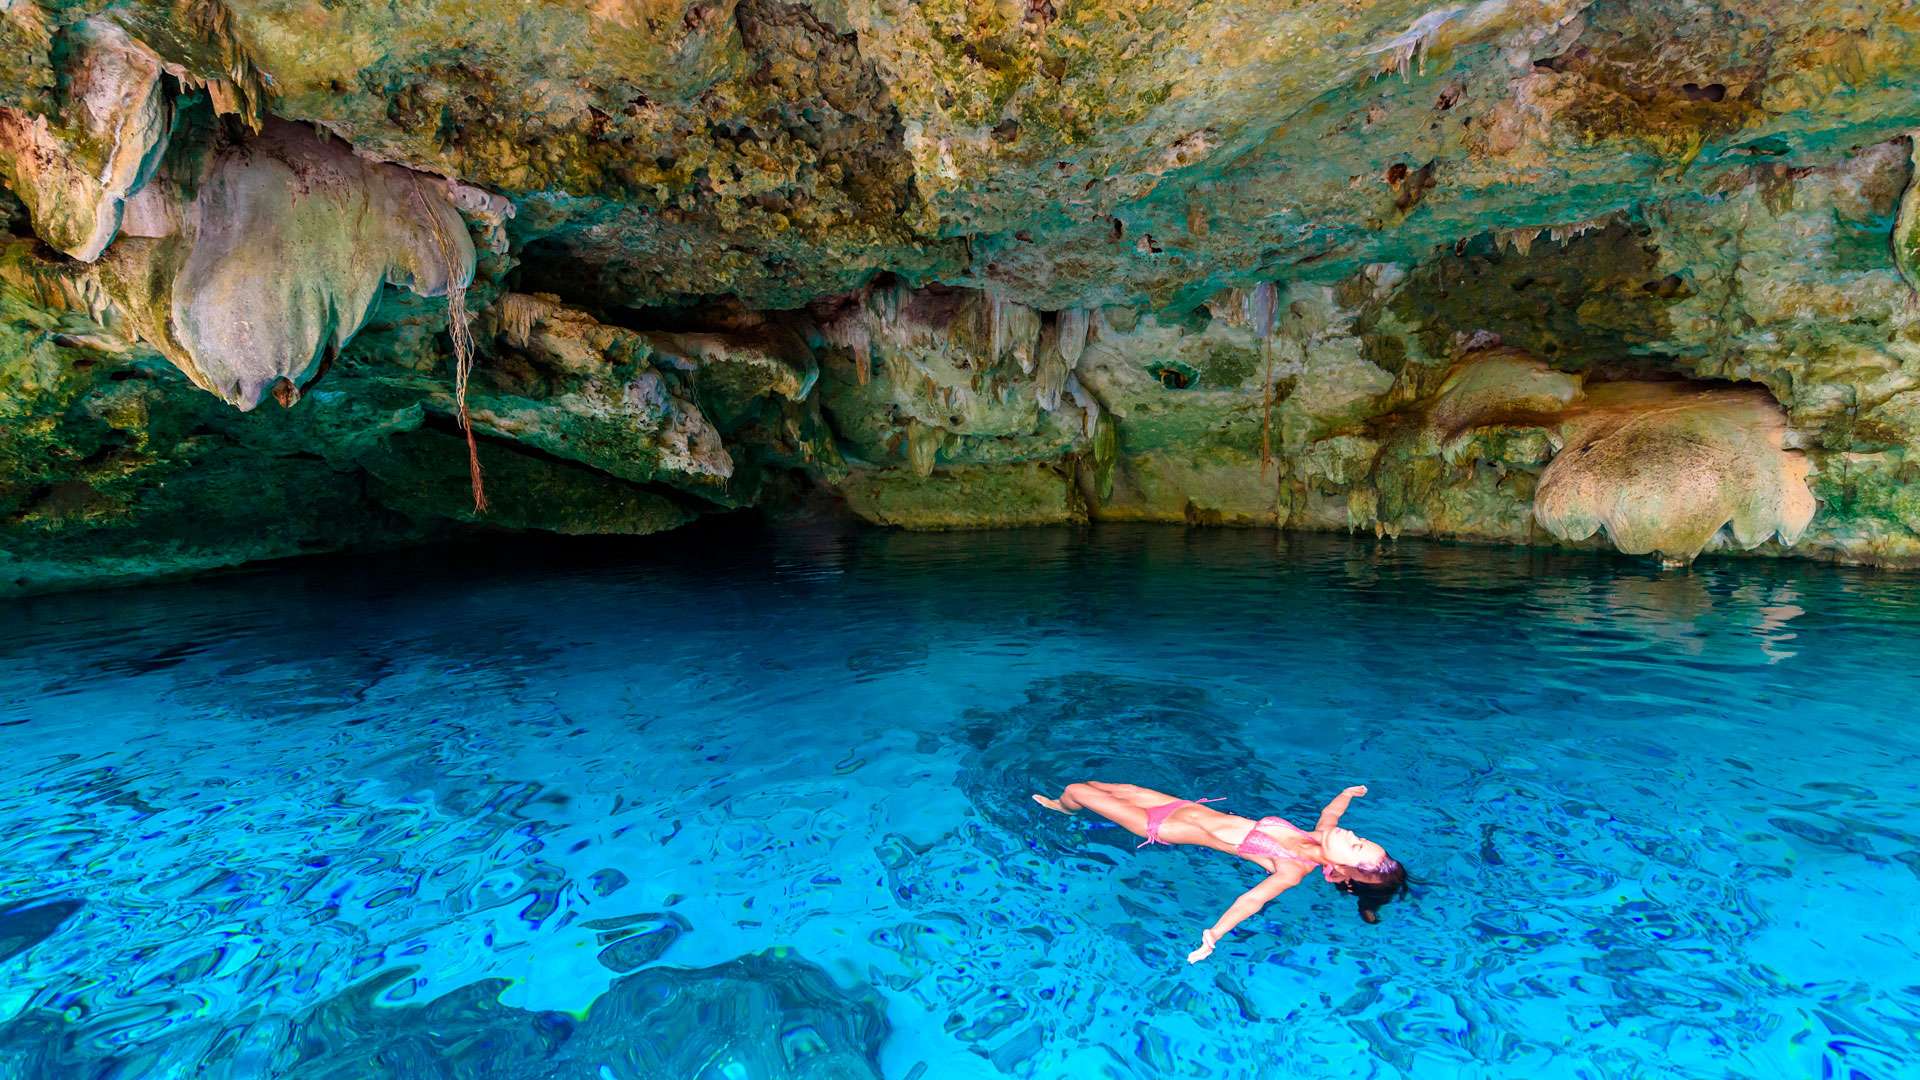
[1285, 851]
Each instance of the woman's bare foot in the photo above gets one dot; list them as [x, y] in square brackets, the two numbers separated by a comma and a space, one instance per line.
[1051, 804]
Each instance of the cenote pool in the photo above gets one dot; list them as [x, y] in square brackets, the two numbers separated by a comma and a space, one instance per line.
[755, 805]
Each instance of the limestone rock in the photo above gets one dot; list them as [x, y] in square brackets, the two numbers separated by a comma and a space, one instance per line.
[1347, 265]
[1500, 386]
[1664, 467]
[292, 238]
[1906, 229]
[76, 171]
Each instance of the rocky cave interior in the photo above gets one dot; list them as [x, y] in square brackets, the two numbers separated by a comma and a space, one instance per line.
[1586, 273]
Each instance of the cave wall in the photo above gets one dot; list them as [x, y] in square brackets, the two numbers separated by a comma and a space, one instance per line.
[1529, 271]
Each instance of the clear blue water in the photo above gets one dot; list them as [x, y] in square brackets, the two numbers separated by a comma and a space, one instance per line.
[756, 806]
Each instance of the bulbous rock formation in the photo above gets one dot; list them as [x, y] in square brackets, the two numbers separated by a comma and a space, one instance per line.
[1497, 386]
[269, 248]
[292, 237]
[1664, 468]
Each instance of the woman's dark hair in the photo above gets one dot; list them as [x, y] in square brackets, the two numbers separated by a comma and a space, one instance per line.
[1374, 895]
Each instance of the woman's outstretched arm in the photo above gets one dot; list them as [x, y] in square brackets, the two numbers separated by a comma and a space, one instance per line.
[1330, 816]
[1249, 903]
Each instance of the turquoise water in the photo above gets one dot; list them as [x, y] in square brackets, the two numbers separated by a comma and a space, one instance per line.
[756, 805]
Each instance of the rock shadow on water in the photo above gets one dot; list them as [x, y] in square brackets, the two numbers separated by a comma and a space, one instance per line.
[1089, 726]
[30, 922]
[765, 1016]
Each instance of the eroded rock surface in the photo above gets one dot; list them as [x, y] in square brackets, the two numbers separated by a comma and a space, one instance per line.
[1388, 266]
[75, 169]
[1664, 468]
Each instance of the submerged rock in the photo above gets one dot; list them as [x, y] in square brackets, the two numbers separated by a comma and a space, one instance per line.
[765, 1016]
[27, 923]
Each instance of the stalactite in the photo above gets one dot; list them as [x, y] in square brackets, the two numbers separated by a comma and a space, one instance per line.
[886, 302]
[860, 340]
[923, 444]
[1089, 404]
[1072, 326]
[1050, 380]
[1012, 327]
[1106, 453]
[1560, 234]
[997, 329]
[898, 367]
[853, 331]
[1260, 305]
[1520, 240]
[518, 314]
[1415, 42]
[243, 92]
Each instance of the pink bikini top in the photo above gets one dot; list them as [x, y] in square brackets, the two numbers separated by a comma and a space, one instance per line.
[1259, 843]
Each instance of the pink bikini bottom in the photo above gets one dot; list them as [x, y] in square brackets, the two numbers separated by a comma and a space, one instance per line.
[1156, 816]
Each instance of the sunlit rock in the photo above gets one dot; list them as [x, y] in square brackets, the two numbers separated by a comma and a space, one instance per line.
[292, 238]
[75, 171]
[1664, 467]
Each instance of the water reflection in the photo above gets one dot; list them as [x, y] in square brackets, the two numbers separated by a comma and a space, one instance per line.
[1777, 610]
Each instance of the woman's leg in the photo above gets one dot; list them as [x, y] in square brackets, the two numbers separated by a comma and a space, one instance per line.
[1123, 804]
[1139, 796]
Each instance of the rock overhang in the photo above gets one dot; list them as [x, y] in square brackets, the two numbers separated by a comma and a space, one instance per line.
[1006, 251]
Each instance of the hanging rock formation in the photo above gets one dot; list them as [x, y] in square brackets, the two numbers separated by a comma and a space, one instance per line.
[291, 238]
[268, 247]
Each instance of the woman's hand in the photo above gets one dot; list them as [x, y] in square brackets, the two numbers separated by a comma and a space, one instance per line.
[1207, 941]
[1330, 814]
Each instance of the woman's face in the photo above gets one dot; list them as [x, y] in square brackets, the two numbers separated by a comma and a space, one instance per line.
[1344, 848]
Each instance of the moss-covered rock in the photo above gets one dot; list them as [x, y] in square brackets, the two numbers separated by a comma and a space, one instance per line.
[965, 497]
